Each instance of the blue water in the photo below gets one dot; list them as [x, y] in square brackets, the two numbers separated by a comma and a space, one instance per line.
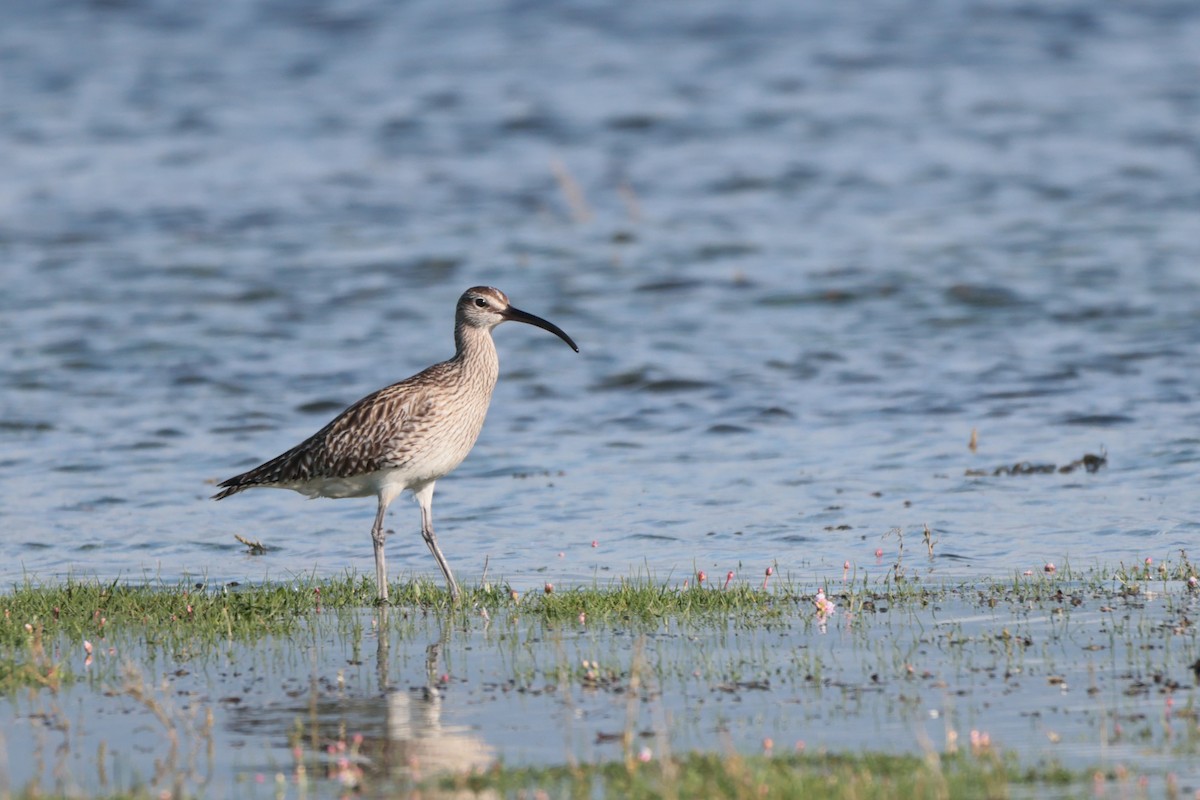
[806, 249]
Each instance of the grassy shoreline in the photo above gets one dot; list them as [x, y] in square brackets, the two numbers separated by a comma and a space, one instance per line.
[55, 636]
[235, 610]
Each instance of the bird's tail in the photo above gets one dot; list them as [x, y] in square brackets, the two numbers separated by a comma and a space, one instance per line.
[282, 469]
[233, 486]
[262, 475]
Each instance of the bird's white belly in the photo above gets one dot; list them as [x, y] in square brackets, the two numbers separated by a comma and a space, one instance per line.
[389, 481]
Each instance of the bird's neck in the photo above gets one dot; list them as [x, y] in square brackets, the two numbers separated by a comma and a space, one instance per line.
[475, 353]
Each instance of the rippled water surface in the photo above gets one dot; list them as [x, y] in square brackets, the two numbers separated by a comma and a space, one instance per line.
[805, 249]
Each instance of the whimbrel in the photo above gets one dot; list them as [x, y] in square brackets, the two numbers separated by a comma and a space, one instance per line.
[407, 435]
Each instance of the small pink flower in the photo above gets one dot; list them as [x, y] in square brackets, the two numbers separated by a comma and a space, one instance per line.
[549, 588]
[595, 543]
[645, 755]
[1149, 561]
[879, 552]
[728, 579]
[824, 605]
[582, 617]
[1049, 569]
[701, 577]
[87, 647]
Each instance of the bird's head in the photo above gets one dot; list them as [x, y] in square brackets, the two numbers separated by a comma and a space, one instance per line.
[486, 307]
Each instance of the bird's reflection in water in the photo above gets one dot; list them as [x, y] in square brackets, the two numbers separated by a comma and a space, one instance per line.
[377, 744]
[416, 741]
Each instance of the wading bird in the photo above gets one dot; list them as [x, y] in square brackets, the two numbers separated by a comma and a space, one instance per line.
[407, 435]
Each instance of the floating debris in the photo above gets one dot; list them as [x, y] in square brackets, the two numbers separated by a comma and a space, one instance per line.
[255, 547]
[1089, 461]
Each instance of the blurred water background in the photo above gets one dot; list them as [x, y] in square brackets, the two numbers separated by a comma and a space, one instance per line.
[806, 249]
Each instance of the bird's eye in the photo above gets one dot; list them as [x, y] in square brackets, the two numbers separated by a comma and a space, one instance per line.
[480, 302]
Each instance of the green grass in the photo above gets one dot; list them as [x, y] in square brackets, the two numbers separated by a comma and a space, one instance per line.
[186, 618]
[90, 609]
[82, 609]
[865, 776]
[646, 600]
[192, 614]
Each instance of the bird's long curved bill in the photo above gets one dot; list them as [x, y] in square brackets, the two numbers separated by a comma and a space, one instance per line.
[517, 315]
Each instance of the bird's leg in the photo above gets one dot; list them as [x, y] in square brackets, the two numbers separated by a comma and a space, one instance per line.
[378, 538]
[425, 499]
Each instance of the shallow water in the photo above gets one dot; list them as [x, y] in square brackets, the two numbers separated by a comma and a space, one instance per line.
[1090, 680]
[805, 251]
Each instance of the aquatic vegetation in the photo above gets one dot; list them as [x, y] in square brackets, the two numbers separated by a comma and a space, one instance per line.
[796, 774]
[638, 687]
